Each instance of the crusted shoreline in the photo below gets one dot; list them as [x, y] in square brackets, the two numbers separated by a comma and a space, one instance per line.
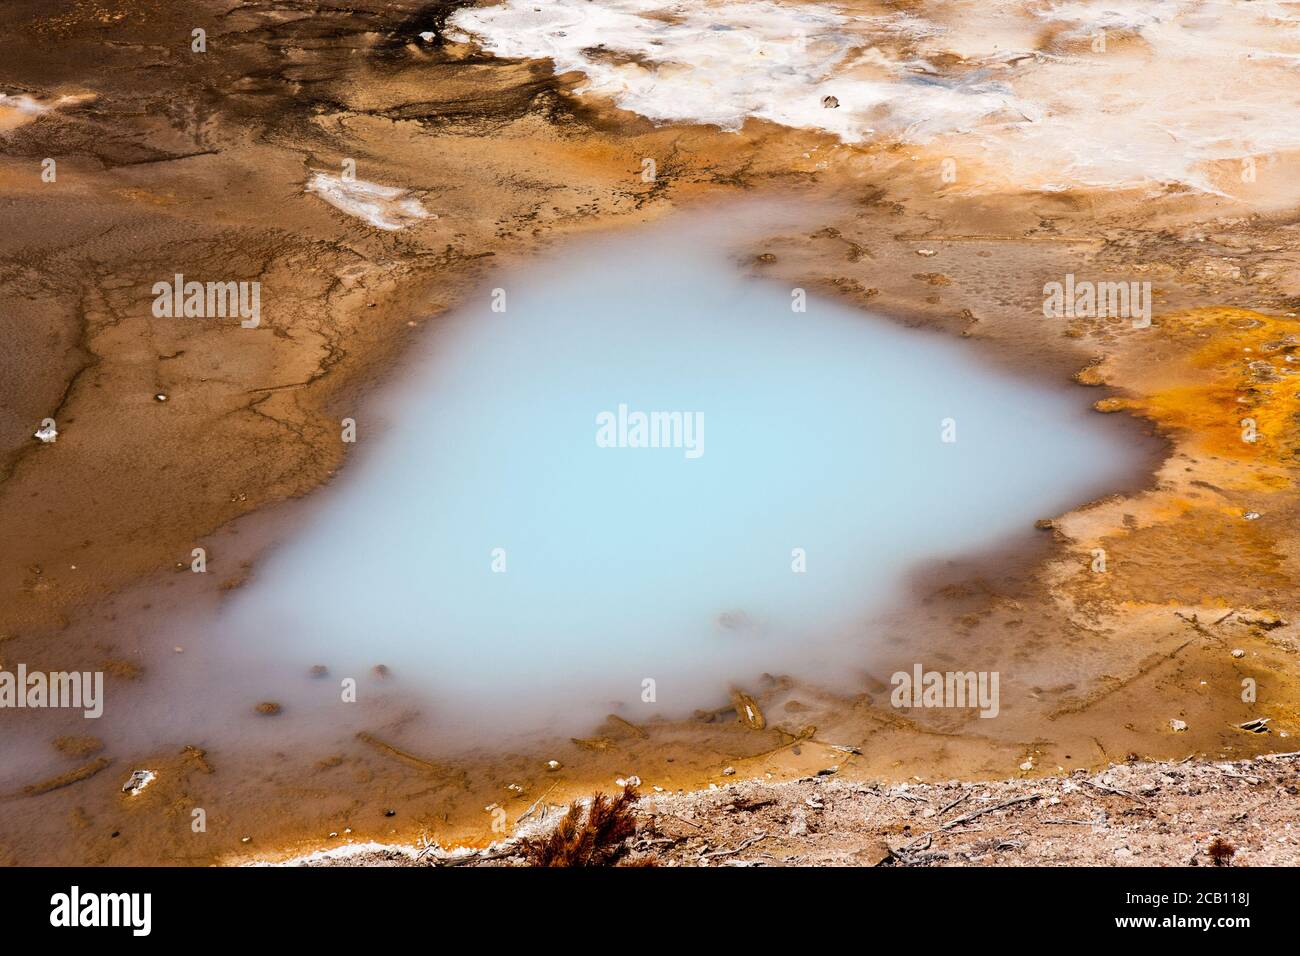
[1185, 813]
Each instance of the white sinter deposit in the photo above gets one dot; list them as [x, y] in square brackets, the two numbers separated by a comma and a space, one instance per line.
[18, 109]
[1115, 93]
[384, 207]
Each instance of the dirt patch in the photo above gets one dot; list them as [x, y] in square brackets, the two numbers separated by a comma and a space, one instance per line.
[1188, 813]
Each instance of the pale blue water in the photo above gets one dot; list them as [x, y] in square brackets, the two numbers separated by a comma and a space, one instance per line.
[822, 431]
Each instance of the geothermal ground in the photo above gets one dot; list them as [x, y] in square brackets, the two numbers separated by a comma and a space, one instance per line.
[234, 162]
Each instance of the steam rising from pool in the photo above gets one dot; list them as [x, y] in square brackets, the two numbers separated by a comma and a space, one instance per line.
[515, 572]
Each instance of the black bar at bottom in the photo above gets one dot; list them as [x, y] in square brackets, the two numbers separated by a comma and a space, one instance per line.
[383, 906]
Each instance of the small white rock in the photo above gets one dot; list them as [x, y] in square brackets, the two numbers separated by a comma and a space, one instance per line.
[138, 781]
[47, 434]
[1238, 652]
[1177, 726]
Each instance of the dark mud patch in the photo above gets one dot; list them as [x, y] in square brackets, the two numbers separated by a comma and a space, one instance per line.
[425, 27]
